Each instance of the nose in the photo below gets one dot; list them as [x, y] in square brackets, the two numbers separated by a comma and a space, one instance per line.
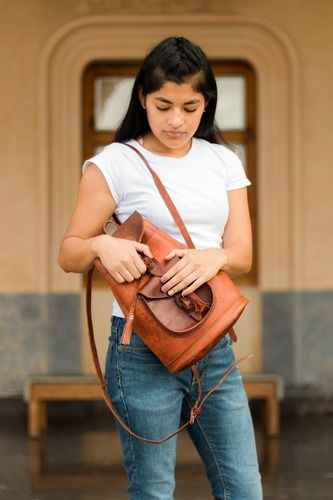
[175, 118]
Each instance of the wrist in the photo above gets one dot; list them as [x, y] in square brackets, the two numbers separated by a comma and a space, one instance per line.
[224, 259]
[97, 245]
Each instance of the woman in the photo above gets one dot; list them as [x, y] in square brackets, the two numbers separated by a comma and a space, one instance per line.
[170, 119]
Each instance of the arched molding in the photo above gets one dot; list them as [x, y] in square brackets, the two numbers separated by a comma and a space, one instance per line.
[265, 46]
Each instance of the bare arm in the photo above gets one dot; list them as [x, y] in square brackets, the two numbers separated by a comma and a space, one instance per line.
[235, 258]
[84, 239]
[237, 238]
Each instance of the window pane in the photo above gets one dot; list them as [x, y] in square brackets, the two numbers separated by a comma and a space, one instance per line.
[231, 102]
[112, 95]
[98, 149]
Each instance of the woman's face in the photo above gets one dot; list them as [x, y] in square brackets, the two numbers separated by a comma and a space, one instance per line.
[174, 113]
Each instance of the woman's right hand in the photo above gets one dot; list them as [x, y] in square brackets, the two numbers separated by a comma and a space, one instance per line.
[120, 257]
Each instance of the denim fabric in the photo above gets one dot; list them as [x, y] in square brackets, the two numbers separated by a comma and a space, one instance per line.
[152, 401]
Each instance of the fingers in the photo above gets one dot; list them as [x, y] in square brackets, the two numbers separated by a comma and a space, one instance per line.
[122, 260]
[176, 252]
[124, 275]
[140, 247]
[126, 272]
[177, 268]
[131, 267]
[186, 275]
[191, 271]
[184, 282]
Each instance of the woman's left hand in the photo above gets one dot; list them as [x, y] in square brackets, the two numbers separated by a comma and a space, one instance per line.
[193, 269]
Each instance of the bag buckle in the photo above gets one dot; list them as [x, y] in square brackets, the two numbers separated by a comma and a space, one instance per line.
[193, 305]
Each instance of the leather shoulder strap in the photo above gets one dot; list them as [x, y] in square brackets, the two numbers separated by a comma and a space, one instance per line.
[168, 201]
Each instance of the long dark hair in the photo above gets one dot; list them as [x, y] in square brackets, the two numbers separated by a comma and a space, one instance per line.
[178, 60]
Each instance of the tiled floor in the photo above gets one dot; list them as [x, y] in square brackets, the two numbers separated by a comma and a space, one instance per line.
[81, 460]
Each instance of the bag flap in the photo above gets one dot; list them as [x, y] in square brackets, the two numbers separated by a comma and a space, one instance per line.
[152, 290]
[131, 229]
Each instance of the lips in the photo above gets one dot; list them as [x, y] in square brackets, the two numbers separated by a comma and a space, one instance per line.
[174, 135]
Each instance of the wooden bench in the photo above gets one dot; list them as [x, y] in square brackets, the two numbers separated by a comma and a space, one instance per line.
[270, 388]
[40, 389]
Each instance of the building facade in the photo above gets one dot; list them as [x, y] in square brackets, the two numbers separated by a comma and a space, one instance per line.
[45, 48]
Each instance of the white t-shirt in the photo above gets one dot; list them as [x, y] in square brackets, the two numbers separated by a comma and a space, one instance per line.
[197, 184]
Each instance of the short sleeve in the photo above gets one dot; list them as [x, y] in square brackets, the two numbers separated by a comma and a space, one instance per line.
[112, 163]
[236, 176]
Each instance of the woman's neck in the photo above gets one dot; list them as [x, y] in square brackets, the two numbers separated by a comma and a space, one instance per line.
[155, 147]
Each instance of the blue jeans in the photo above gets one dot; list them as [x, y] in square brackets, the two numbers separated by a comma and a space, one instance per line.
[152, 401]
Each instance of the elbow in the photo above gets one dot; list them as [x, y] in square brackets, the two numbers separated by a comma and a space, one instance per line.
[247, 260]
[62, 263]
[245, 272]
[247, 266]
[244, 268]
[64, 260]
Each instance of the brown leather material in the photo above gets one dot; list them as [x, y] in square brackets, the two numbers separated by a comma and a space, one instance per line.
[178, 339]
[132, 231]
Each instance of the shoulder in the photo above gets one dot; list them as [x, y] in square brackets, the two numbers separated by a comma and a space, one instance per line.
[114, 154]
[225, 161]
[117, 164]
[218, 150]
[218, 154]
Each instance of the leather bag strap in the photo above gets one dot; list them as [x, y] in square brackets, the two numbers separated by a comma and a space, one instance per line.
[168, 201]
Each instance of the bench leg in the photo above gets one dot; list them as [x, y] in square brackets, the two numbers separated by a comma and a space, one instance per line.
[43, 416]
[37, 418]
[272, 417]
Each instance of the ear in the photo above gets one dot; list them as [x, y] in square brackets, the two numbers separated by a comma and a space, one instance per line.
[142, 97]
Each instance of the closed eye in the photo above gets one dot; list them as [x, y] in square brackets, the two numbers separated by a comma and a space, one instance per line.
[186, 110]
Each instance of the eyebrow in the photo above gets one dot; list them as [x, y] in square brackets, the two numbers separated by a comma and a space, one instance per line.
[166, 101]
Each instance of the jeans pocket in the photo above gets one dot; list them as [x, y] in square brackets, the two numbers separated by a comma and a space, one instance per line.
[229, 343]
[225, 343]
